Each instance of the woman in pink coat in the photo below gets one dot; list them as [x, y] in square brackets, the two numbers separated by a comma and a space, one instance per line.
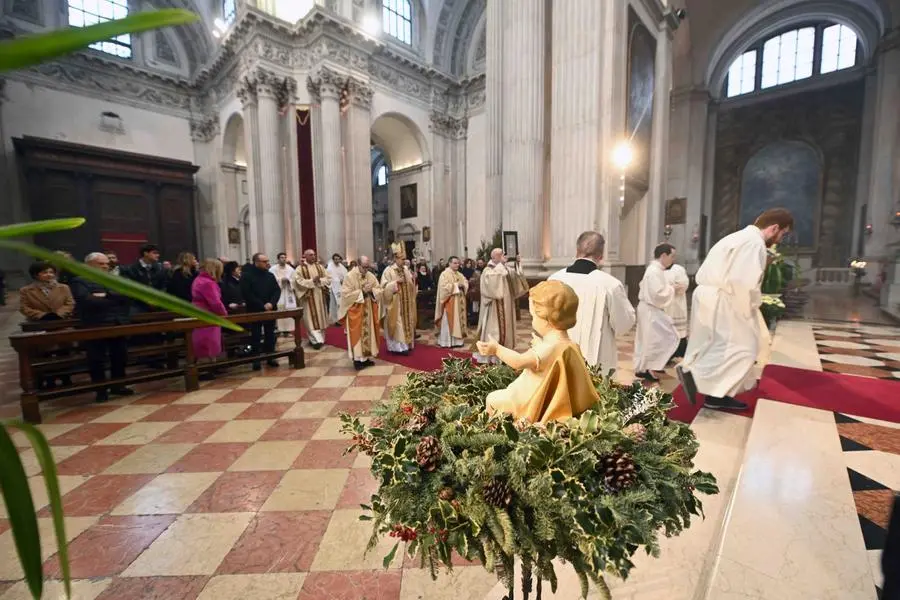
[206, 294]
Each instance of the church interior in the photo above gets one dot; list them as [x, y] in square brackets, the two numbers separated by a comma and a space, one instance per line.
[446, 128]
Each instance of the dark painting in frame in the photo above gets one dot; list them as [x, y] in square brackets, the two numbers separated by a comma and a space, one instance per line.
[409, 201]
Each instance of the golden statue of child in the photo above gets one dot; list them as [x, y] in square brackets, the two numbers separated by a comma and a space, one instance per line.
[555, 383]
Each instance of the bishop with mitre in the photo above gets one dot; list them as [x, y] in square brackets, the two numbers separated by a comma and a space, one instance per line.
[450, 308]
[312, 284]
[361, 296]
[501, 285]
[399, 304]
[604, 310]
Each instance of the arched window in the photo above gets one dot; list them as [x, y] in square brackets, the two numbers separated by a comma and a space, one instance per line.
[90, 12]
[228, 11]
[381, 176]
[396, 19]
[794, 55]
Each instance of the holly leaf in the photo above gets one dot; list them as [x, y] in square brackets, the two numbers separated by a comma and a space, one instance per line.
[386, 563]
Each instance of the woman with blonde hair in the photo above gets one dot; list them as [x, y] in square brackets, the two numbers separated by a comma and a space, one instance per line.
[206, 294]
[182, 277]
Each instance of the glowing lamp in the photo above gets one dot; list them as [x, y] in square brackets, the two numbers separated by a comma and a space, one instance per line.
[623, 155]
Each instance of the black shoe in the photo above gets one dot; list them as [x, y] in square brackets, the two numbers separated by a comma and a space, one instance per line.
[687, 384]
[272, 363]
[257, 366]
[359, 366]
[121, 391]
[102, 397]
[315, 346]
[647, 376]
[724, 403]
[207, 376]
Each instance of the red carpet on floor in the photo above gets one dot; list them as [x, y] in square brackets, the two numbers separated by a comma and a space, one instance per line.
[423, 358]
[848, 394]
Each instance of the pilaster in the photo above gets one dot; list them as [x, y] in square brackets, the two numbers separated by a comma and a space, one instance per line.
[448, 189]
[246, 93]
[654, 220]
[494, 115]
[360, 240]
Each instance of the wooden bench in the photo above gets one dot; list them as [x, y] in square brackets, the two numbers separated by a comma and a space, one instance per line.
[33, 347]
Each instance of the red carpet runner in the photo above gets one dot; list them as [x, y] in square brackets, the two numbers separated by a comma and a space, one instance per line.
[423, 358]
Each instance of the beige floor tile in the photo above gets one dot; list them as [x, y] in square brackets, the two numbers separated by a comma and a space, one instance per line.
[397, 379]
[310, 372]
[308, 489]
[220, 412]
[343, 546]
[334, 381]
[152, 458]
[261, 383]
[247, 430]
[169, 493]
[137, 434]
[202, 397]
[50, 431]
[363, 393]
[128, 414]
[462, 582]
[60, 453]
[309, 410]
[271, 586]
[192, 545]
[287, 395]
[363, 461]
[82, 589]
[330, 429]
[38, 488]
[379, 370]
[9, 558]
[268, 456]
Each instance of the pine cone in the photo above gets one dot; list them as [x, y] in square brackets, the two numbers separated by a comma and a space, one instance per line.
[497, 493]
[430, 413]
[428, 453]
[637, 432]
[447, 494]
[618, 470]
[417, 423]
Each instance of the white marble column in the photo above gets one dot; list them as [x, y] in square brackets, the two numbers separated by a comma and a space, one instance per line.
[659, 160]
[575, 125]
[315, 115]
[865, 160]
[494, 112]
[438, 216]
[360, 237]
[524, 69]
[331, 228]
[270, 205]
[250, 103]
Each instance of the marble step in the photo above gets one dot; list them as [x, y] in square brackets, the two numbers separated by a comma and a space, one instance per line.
[792, 531]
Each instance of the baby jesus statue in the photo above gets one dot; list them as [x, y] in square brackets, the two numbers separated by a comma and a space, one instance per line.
[555, 383]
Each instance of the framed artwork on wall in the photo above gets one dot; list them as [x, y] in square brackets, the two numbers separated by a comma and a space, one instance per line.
[676, 211]
[409, 201]
[234, 235]
[511, 243]
[426, 234]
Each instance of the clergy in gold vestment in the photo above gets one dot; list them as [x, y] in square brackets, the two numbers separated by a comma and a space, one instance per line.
[450, 308]
[312, 284]
[399, 304]
[555, 383]
[361, 296]
[501, 285]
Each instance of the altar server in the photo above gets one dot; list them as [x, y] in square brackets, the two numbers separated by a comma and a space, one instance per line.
[311, 285]
[284, 273]
[656, 338]
[361, 296]
[337, 271]
[604, 311]
[450, 307]
[501, 285]
[724, 332]
[677, 309]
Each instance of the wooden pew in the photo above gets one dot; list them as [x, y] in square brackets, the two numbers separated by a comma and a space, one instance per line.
[33, 346]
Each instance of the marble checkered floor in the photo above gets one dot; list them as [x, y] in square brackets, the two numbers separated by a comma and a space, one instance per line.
[864, 350]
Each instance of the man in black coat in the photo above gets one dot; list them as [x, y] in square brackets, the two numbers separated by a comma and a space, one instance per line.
[146, 270]
[261, 293]
[97, 306]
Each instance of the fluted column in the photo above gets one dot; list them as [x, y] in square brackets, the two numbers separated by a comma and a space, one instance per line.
[575, 135]
[653, 224]
[290, 201]
[246, 93]
[315, 115]
[494, 114]
[330, 203]
[523, 124]
[360, 237]
[270, 207]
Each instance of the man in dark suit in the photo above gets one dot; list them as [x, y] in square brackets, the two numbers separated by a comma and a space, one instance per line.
[97, 306]
[148, 271]
[261, 292]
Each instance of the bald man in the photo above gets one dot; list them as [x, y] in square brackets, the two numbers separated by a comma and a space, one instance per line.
[311, 284]
[501, 285]
[361, 297]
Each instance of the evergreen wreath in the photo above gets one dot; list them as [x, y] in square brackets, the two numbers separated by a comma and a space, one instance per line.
[590, 491]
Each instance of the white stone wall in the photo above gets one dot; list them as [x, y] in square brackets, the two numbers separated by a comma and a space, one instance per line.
[476, 184]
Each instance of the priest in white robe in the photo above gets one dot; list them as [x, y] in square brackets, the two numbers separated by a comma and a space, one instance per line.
[337, 271]
[501, 285]
[656, 338]
[450, 306]
[678, 309]
[284, 274]
[604, 311]
[724, 341]
[311, 286]
[400, 313]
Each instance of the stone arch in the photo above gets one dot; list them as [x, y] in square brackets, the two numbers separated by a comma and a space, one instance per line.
[866, 17]
[477, 50]
[454, 31]
[400, 138]
[196, 38]
[234, 147]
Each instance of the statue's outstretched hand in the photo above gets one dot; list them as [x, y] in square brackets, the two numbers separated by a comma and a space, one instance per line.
[488, 348]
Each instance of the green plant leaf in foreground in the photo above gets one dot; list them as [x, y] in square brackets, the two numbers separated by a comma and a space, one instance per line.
[22, 520]
[123, 286]
[48, 468]
[31, 50]
[36, 227]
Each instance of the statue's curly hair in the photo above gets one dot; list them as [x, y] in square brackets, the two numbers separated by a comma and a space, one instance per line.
[556, 303]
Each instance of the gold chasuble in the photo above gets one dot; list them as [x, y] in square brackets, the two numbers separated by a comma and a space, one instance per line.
[400, 305]
[451, 302]
[311, 295]
[359, 311]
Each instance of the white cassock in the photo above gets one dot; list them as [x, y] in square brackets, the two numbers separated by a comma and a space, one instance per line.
[284, 275]
[676, 275]
[656, 339]
[337, 273]
[604, 312]
[725, 323]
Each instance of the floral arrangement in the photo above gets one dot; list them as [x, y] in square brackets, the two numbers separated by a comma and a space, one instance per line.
[859, 268]
[772, 307]
[778, 272]
[590, 491]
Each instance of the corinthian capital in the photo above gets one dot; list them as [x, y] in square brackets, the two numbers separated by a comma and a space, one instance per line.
[204, 129]
[247, 89]
[360, 93]
[449, 127]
